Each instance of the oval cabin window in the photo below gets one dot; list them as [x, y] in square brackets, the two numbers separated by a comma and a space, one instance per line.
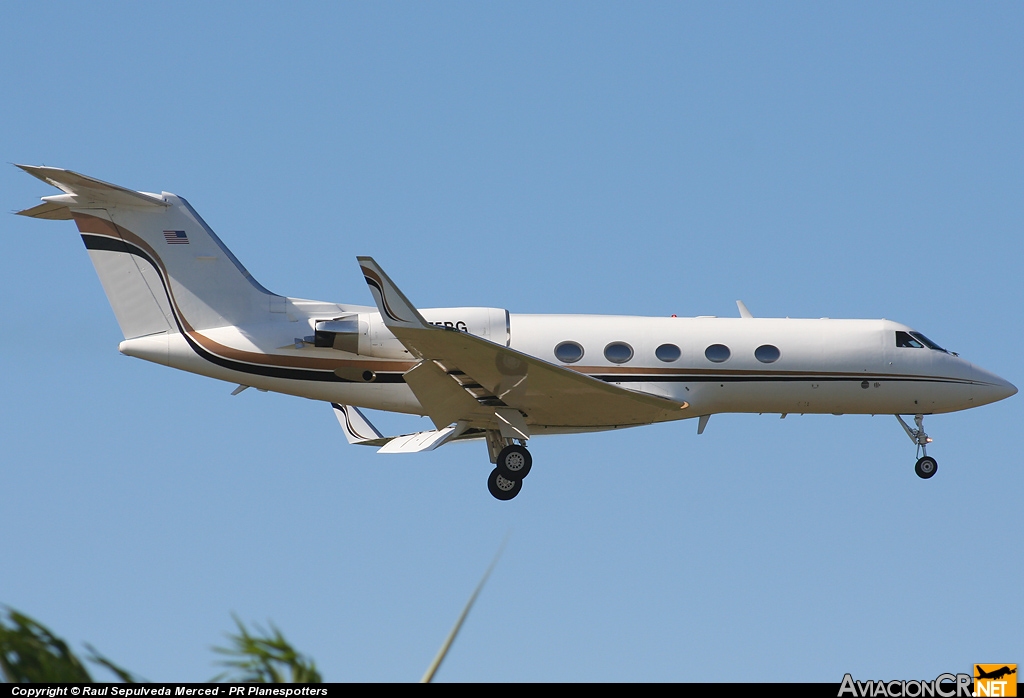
[717, 353]
[668, 353]
[569, 352]
[766, 354]
[618, 352]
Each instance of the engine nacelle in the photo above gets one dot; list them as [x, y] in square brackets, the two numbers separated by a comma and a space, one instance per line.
[366, 334]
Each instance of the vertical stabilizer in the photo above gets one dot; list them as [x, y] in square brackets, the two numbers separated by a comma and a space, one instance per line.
[161, 266]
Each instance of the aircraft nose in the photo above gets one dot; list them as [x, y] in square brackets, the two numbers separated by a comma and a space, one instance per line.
[989, 387]
[1006, 388]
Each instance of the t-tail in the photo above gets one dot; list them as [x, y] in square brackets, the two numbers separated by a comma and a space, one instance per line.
[161, 266]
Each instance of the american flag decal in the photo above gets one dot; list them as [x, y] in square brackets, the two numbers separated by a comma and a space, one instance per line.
[175, 237]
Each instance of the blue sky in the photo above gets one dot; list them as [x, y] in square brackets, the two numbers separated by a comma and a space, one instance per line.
[842, 160]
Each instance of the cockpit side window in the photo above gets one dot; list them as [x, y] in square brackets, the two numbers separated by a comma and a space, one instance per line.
[905, 341]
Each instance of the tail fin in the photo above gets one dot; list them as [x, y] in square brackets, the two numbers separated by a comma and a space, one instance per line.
[161, 266]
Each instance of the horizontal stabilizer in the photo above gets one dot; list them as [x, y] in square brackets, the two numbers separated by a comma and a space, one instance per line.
[49, 210]
[84, 192]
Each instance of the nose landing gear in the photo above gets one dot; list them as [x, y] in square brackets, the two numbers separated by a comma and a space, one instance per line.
[926, 466]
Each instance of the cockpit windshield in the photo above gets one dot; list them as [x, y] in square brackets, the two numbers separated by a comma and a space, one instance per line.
[927, 342]
[916, 340]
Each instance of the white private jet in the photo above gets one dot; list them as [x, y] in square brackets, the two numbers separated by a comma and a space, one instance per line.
[183, 300]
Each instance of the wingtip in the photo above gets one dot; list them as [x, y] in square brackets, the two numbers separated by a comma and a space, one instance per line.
[358, 429]
[394, 307]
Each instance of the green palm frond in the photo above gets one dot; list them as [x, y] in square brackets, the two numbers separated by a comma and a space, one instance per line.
[29, 652]
[264, 658]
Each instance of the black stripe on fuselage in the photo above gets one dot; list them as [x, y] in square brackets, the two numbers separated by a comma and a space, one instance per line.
[768, 378]
[108, 244]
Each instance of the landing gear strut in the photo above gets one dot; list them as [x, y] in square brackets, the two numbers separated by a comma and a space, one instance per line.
[512, 463]
[926, 466]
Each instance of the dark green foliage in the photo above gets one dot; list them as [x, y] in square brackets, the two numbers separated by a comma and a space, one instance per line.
[29, 652]
[265, 658]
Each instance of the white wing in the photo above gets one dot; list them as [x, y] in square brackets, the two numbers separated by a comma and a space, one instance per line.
[462, 377]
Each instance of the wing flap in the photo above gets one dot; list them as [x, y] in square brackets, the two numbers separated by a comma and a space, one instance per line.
[445, 400]
[419, 442]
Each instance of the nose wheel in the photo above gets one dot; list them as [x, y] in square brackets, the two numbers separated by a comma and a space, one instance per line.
[926, 466]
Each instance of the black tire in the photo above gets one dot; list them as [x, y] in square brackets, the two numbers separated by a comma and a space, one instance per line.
[926, 467]
[499, 486]
[514, 462]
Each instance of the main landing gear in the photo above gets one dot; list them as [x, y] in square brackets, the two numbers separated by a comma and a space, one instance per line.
[926, 466]
[512, 464]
